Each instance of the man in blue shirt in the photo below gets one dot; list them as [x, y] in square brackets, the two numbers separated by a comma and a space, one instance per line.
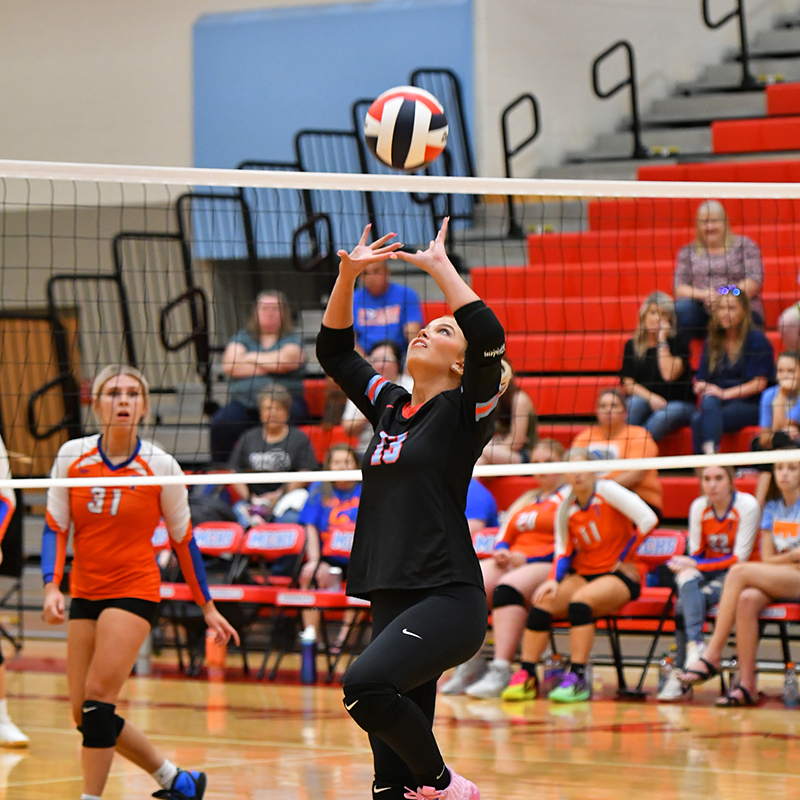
[384, 310]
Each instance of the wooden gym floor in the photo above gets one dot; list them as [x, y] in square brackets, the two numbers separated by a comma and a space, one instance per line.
[283, 741]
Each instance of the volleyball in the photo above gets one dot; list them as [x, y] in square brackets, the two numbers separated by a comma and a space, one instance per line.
[406, 128]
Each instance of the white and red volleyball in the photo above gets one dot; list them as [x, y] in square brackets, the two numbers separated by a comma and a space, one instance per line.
[406, 128]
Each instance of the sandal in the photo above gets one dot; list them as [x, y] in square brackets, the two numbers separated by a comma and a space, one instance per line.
[693, 676]
[737, 697]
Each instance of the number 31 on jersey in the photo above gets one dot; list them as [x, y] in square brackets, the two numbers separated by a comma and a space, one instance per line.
[97, 504]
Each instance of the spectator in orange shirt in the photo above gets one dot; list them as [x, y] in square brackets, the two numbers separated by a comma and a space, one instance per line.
[613, 438]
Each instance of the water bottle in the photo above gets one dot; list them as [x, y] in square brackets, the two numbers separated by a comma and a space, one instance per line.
[336, 579]
[308, 657]
[554, 666]
[791, 691]
[215, 653]
[665, 666]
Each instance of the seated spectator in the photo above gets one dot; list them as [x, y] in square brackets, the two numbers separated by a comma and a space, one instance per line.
[736, 366]
[723, 525]
[523, 556]
[384, 310]
[714, 259]
[778, 417]
[515, 425]
[387, 359]
[613, 438]
[597, 529]
[265, 352]
[655, 370]
[275, 446]
[752, 586]
[481, 507]
[329, 505]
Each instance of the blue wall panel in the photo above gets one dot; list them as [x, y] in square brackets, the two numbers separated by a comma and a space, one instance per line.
[259, 77]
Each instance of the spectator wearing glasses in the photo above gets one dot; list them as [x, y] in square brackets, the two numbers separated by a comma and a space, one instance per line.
[737, 364]
[716, 258]
[387, 360]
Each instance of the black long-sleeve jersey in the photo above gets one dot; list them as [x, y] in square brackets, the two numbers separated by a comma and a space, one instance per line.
[411, 530]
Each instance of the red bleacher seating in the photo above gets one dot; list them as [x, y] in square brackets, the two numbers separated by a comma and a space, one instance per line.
[755, 135]
[322, 438]
[777, 171]
[783, 98]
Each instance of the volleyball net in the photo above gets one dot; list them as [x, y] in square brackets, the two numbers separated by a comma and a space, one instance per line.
[159, 268]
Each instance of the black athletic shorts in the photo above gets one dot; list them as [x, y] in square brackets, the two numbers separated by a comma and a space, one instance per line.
[634, 587]
[80, 608]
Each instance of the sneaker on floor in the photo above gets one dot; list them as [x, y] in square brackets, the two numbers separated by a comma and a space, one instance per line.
[521, 687]
[465, 675]
[492, 683]
[694, 652]
[11, 735]
[673, 690]
[186, 786]
[459, 789]
[572, 689]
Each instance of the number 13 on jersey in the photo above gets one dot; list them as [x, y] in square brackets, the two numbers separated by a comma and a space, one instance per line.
[387, 451]
[97, 504]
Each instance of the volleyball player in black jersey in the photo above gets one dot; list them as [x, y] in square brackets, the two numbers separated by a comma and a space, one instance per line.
[412, 552]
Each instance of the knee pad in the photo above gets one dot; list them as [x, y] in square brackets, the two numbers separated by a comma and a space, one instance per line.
[504, 595]
[98, 724]
[579, 614]
[539, 620]
[373, 706]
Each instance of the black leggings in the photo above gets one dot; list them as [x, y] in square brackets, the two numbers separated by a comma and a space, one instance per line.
[390, 690]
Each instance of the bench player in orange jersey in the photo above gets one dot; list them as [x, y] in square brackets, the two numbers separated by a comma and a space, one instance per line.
[115, 580]
[597, 529]
[10, 734]
[521, 562]
[723, 529]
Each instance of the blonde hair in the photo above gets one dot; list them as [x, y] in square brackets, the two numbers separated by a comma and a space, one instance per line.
[506, 375]
[664, 303]
[114, 370]
[711, 206]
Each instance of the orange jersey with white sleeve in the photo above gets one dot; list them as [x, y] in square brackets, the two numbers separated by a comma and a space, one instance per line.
[8, 500]
[717, 543]
[530, 530]
[591, 540]
[113, 526]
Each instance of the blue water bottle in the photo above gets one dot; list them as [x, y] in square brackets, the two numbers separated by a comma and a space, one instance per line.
[308, 656]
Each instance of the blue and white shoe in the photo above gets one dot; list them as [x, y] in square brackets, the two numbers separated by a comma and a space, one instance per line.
[186, 786]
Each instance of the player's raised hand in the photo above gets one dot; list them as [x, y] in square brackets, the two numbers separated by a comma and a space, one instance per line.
[363, 254]
[435, 257]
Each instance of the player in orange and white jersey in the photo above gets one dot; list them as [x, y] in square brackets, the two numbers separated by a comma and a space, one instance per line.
[723, 526]
[114, 582]
[10, 734]
[751, 586]
[597, 529]
[521, 561]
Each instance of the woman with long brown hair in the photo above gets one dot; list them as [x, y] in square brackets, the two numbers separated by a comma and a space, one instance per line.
[266, 351]
[737, 364]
